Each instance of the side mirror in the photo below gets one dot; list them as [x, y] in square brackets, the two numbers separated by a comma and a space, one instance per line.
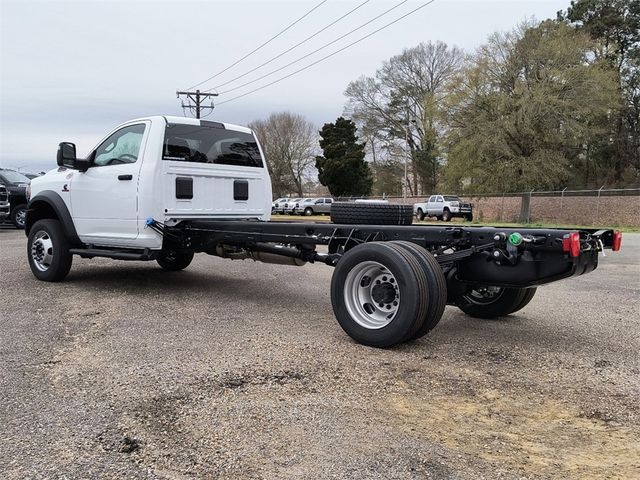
[67, 157]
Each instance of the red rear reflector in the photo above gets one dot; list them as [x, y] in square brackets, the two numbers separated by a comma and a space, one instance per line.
[571, 244]
[617, 241]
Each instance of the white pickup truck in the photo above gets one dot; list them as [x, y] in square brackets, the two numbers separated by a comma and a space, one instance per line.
[443, 207]
[164, 188]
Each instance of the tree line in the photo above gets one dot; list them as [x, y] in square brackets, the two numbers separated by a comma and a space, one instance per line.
[547, 105]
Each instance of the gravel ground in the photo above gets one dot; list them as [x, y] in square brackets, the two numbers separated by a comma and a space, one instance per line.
[239, 370]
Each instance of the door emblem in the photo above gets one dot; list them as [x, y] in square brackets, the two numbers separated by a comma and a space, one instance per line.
[65, 188]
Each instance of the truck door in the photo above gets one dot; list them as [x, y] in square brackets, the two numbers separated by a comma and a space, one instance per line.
[104, 198]
[431, 206]
[439, 208]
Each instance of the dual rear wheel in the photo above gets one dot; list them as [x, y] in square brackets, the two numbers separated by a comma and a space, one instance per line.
[386, 293]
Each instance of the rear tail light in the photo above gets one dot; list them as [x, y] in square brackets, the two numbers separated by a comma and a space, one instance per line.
[617, 241]
[571, 244]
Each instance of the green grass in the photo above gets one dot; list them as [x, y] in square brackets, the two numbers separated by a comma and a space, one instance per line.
[457, 221]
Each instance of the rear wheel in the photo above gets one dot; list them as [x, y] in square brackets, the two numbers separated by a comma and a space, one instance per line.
[491, 302]
[48, 251]
[379, 294]
[173, 260]
[436, 285]
[308, 211]
[420, 214]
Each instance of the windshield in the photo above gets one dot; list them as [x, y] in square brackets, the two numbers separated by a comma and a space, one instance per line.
[210, 144]
[451, 198]
[12, 176]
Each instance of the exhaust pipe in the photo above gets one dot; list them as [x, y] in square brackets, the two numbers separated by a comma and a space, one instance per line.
[263, 252]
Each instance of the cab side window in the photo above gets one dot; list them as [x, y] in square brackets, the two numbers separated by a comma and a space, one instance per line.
[440, 200]
[121, 147]
[432, 199]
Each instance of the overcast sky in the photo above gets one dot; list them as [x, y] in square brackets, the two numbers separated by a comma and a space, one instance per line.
[71, 71]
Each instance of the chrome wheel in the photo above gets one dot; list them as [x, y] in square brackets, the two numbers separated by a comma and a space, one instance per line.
[42, 251]
[484, 295]
[371, 295]
[21, 217]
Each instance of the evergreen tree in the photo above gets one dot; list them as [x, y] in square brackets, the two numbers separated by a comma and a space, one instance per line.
[342, 168]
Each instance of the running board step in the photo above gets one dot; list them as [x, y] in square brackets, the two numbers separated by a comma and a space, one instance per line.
[115, 254]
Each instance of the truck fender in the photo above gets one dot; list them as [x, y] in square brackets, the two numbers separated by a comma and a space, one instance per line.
[48, 204]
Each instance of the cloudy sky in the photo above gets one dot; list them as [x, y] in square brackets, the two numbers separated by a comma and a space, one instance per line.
[72, 70]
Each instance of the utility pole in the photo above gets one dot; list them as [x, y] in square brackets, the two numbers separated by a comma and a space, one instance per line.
[407, 152]
[195, 100]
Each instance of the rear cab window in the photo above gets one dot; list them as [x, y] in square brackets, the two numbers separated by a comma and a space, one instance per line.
[210, 143]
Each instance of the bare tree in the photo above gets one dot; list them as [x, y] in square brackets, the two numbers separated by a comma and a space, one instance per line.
[403, 103]
[290, 143]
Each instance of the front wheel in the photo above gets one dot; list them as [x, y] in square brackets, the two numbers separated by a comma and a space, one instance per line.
[446, 216]
[48, 251]
[493, 302]
[19, 216]
[173, 260]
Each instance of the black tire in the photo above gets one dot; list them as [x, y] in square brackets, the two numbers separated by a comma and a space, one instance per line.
[420, 214]
[446, 215]
[506, 302]
[406, 278]
[174, 261]
[528, 296]
[372, 213]
[308, 211]
[48, 238]
[436, 285]
[19, 215]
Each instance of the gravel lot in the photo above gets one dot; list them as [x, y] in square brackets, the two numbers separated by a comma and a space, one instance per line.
[239, 370]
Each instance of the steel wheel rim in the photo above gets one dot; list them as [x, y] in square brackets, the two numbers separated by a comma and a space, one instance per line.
[42, 251]
[372, 295]
[21, 217]
[484, 295]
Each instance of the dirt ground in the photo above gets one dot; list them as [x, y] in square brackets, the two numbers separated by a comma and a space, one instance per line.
[239, 370]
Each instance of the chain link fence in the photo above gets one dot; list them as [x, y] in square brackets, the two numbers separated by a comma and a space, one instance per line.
[606, 207]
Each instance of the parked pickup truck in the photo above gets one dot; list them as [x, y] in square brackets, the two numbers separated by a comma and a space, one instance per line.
[5, 206]
[164, 188]
[443, 207]
[17, 185]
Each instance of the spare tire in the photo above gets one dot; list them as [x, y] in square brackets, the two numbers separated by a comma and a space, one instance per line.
[371, 213]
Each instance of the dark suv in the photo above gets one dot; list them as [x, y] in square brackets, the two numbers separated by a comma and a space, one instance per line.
[16, 184]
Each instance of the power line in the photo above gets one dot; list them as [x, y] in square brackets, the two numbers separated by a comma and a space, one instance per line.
[259, 47]
[315, 51]
[294, 47]
[330, 55]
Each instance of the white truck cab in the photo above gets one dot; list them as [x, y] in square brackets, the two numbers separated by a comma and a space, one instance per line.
[167, 168]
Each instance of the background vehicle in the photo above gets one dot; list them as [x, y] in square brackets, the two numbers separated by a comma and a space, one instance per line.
[291, 205]
[5, 206]
[16, 184]
[165, 188]
[278, 205]
[443, 207]
[314, 206]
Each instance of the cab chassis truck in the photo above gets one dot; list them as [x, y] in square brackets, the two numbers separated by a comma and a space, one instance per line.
[164, 188]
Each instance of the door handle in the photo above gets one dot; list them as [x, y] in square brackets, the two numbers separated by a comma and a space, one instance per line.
[125, 177]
